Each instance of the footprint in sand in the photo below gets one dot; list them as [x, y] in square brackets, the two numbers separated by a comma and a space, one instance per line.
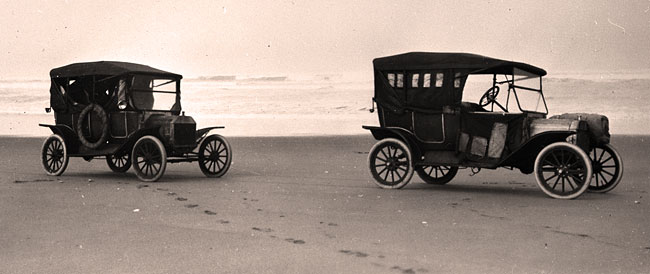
[171, 193]
[191, 205]
[142, 186]
[262, 229]
[409, 270]
[209, 212]
[292, 240]
[181, 199]
[354, 253]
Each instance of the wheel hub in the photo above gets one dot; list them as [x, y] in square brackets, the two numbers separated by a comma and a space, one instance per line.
[391, 164]
[597, 166]
[213, 156]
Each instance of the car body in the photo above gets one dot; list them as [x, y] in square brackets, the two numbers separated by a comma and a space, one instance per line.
[426, 127]
[123, 111]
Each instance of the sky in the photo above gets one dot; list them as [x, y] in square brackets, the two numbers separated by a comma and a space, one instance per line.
[205, 38]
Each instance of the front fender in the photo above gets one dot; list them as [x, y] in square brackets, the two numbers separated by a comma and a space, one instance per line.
[203, 132]
[524, 156]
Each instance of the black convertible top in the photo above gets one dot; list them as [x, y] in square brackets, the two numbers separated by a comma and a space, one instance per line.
[476, 64]
[109, 68]
[406, 81]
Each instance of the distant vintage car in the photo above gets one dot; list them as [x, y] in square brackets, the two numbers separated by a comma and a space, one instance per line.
[129, 114]
[426, 127]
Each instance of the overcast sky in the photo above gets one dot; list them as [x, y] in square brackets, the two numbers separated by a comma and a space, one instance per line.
[197, 38]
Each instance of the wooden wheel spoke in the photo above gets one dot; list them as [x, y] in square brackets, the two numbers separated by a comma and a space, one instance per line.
[550, 178]
[602, 153]
[556, 182]
[381, 171]
[605, 181]
[383, 153]
[606, 160]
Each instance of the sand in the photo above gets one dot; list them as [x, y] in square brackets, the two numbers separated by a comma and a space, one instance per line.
[308, 205]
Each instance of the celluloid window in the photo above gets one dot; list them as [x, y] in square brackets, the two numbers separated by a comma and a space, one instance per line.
[400, 80]
[427, 80]
[391, 79]
[414, 80]
[439, 78]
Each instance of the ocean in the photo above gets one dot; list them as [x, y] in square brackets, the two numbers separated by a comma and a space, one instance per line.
[332, 105]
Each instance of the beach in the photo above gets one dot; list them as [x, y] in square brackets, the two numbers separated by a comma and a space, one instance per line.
[308, 205]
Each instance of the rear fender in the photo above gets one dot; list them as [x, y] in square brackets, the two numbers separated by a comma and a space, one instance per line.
[69, 136]
[381, 133]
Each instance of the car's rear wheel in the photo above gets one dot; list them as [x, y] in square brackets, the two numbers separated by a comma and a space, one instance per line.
[119, 164]
[54, 155]
[608, 168]
[390, 163]
[436, 175]
[215, 156]
[563, 170]
[149, 158]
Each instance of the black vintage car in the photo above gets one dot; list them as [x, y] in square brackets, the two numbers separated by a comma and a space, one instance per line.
[129, 114]
[426, 127]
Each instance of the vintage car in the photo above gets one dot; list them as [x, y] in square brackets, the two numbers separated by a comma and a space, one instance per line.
[129, 114]
[426, 128]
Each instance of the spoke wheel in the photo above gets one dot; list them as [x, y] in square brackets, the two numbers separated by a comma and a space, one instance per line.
[390, 163]
[436, 175]
[54, 155]
[563, 170]
[608, 168]
[119, 164]
[149, 158]
[215, 156]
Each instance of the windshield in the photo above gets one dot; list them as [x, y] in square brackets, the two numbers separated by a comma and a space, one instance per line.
[528, 91]
[154, 93]
[517, 93]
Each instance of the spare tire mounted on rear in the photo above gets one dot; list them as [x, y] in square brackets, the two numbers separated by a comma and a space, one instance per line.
[97, 135]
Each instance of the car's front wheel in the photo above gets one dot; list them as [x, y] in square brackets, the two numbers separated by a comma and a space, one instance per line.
[563, 170]
[608, 168]
[149, 158]
[215, 156]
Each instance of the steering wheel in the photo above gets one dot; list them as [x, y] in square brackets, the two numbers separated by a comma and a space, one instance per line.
[490, 97]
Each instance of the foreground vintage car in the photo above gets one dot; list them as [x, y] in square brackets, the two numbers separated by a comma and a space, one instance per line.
[129, 114]
[426, 127]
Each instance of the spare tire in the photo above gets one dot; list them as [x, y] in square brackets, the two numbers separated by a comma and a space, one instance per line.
[97, 135]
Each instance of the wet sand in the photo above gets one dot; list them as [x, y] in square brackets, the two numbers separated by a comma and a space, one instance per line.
[308, 205]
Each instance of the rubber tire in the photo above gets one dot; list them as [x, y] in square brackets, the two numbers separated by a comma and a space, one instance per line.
[202, 157]
[111, 163]
[65, 157]
[163, 155]
[618, 161]
[372, 158]
[577, 151]
[433, 180]
[104, 121]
